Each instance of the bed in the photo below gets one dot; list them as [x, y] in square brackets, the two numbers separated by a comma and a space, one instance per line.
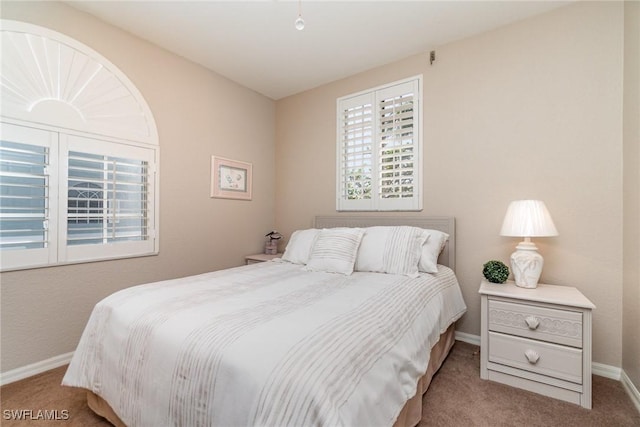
[281, 342]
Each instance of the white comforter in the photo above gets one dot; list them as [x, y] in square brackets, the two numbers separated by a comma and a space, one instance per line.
[266, 344]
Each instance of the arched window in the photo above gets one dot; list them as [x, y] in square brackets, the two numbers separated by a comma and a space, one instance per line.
[85, 204]
[78, 154]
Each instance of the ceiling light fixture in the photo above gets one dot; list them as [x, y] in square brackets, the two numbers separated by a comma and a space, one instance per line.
[299, 21]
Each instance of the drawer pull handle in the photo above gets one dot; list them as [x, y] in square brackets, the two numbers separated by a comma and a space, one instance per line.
[532, 322]
[532, 356]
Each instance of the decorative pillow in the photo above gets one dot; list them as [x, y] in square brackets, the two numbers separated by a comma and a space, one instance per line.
[393, 250]
[431, 250]
[298, 249]
[335, 250]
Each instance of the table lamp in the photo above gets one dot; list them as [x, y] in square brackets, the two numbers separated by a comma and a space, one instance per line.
[527, 218]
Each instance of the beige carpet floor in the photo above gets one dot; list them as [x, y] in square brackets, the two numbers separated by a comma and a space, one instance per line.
[457, 397]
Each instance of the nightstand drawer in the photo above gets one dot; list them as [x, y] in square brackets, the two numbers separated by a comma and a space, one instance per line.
[539, 357]
[535, 322]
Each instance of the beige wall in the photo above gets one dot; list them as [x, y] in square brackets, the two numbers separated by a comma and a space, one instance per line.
[198, 114]
[631, 292]
[531, 110]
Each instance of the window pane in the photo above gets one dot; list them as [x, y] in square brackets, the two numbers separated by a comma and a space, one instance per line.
[396, 144]
[23, 196]
[107, 199]
[356, 164]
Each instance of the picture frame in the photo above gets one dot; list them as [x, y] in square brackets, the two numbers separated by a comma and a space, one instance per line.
[230, 179]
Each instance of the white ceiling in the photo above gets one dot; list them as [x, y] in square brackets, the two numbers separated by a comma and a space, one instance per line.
[255, 43]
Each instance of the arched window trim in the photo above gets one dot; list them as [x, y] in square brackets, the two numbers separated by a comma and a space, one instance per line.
[52, 79]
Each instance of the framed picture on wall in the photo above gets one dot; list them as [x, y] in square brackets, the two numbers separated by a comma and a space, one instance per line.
[230, 179]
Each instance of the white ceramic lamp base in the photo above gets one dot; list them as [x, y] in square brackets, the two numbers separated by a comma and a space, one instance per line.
[526, 265]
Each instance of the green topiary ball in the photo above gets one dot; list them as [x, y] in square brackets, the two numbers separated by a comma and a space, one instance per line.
[495, 271]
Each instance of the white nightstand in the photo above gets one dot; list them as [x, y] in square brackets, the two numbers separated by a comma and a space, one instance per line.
[253, 259]
[537, 339]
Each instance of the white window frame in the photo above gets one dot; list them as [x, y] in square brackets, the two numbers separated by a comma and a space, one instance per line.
[56, 250]
[47, 255]
[89, 252]
[374, 96]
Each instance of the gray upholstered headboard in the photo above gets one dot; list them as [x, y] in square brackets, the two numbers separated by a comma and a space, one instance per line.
[441, 223]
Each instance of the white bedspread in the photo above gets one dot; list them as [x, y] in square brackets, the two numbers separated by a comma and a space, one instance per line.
[265, 344]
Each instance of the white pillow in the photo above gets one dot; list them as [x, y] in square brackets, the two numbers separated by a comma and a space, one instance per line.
[299, 247]
[431, 250]
[335, 250]
[392, 250]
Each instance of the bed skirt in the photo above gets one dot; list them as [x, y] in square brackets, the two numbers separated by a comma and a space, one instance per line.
[411, 412]
[409, 416]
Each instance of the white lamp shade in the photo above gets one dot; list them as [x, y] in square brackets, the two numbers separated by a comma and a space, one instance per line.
[528, 218]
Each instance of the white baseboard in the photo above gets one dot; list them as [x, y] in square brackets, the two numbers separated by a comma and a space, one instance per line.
[631, 389]
[606, 371]
[468, 338]
[34, 368]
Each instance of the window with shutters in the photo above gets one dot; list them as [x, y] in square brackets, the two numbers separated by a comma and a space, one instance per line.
[79, 154]
[379, 148]
[66, 198]
[107, 199]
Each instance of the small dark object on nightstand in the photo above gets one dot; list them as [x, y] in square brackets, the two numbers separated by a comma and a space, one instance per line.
[495, 271]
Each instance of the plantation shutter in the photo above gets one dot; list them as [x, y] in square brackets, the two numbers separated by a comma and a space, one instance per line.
[109, 200]
[27, 196]
[355, 160]
[379, 146]
[397, 170]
